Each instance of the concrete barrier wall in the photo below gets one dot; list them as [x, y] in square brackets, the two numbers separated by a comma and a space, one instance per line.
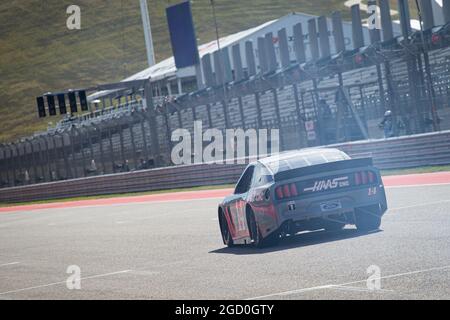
[404, 152]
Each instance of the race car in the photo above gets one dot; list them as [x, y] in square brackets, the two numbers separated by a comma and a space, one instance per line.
[305, 190]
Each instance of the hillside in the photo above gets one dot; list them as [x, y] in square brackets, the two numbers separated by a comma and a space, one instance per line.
[38, 53]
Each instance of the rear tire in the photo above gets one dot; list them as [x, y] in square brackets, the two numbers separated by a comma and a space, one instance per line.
[255, 234]
[225, 231]
[368, 218]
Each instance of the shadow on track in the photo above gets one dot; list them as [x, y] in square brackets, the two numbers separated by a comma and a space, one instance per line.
[297, 241]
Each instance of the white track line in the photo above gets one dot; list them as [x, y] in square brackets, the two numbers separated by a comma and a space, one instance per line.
[329, 286]
[418, 185]
[9, 264]
[359, 289]
[93, 206]
[63, 282]
[420, 205]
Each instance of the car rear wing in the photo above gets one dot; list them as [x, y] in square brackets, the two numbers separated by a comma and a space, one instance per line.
[323, 168]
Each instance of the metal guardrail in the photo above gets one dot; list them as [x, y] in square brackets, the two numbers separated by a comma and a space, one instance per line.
[404, 152]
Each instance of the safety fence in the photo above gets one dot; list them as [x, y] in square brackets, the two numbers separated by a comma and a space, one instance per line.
[405, 152]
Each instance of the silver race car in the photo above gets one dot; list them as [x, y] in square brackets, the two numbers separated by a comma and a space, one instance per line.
[305, 190]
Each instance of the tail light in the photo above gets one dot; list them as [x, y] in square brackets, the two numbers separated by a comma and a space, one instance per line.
[357, 178]
[279, 192]
[286, 191]
[294, 192]
[364, 178]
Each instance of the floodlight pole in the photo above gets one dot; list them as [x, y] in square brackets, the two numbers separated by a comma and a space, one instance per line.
[147, 33]
[436, 125]
[221, 57]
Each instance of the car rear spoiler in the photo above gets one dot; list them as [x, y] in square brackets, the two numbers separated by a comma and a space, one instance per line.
[321, 168]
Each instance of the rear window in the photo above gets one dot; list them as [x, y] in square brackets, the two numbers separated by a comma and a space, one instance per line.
[336, 156]
[301, 160]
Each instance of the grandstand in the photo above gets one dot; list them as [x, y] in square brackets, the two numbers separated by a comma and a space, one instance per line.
[168, 81]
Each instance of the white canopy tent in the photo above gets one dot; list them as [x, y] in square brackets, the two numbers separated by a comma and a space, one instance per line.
[166, 70]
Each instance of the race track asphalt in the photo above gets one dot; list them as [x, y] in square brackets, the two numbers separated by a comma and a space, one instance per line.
[173, 250]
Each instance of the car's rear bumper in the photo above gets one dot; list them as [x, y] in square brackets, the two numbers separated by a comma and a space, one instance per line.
[330, 204]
